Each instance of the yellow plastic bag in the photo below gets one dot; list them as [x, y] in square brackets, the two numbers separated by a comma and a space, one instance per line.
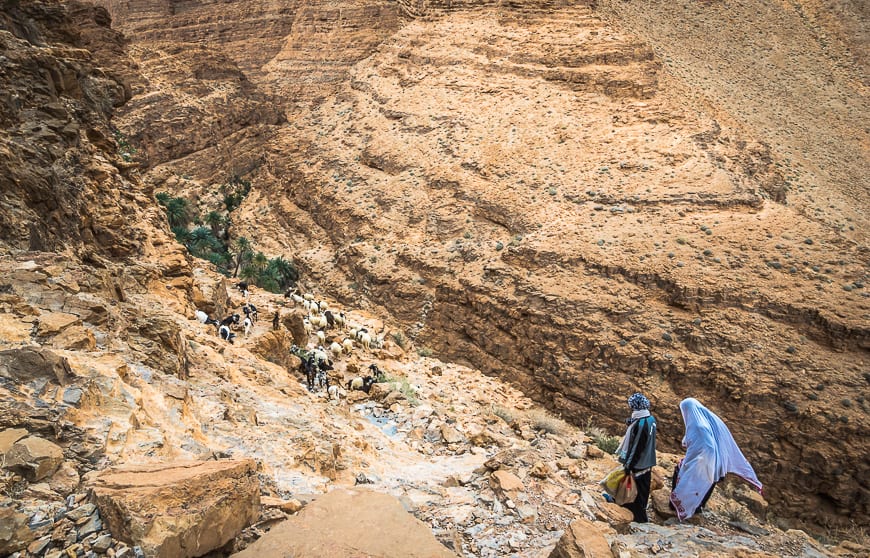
[612, 480]
[626, 492]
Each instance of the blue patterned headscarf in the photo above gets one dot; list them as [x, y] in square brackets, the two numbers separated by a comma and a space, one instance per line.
[638, 402]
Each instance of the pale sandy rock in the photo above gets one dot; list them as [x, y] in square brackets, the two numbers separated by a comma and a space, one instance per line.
[450, 435]
[661, 502]
[14, 330]
[594, 452]
[616, 516]
[350, 524]
[565, 463]
[33, 457]
[181, 509]
[379, 391]
[581, 540]
[75, 337]
[52, 323]
[41, 491]
[657, 478]
[15, 535]
[541, 470]
[506, 483]
[65, 480]
[9, 437]
[288, 506]
[753, 500]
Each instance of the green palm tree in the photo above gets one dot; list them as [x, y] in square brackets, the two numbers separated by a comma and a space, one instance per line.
[178, 212]
[284, 272]
[215, 220]
[259, 262]
[201, 242]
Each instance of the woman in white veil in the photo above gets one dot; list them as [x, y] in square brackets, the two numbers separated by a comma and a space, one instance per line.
[711, 453]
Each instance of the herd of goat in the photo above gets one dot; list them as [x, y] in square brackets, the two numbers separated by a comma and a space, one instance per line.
[315, 362]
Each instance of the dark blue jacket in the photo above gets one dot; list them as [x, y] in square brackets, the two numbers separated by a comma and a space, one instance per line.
[641, 452]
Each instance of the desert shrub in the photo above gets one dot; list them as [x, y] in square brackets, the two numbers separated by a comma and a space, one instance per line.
[542, 420]
[400, 339]
[604, 441]
[503, 413]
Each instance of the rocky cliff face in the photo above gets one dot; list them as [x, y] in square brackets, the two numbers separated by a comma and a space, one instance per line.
[544, 191]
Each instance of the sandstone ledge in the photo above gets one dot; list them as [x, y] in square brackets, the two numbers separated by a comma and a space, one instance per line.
[178, 509]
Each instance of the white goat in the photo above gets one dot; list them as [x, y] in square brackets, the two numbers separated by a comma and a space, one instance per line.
[347, 345]
[309, 329]
[248, 325]
[321, 336]
[335, 348]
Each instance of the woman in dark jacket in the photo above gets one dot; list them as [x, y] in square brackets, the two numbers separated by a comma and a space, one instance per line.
[637, 453]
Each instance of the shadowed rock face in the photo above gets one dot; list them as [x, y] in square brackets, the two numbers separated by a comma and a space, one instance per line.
[538, 192]
[64, 182]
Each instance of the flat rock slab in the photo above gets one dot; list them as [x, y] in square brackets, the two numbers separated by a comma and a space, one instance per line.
[350, 524]
[179, 510]
[582, 540]
[10, 436]
[33, 457]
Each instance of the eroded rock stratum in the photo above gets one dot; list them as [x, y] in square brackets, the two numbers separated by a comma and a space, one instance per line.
[557, 193]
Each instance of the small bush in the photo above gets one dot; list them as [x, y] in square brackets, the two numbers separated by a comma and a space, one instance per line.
[505, 414]
[400, 339]
[606, 443]
[425, 352]
[601, 438]
[542, 420]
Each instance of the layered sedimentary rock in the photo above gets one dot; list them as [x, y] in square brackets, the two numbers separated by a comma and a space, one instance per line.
[535, 191]
[181, 509]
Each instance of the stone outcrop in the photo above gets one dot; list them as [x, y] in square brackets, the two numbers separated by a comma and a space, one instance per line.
[582, 540]
[178, 510]
[530, 188]
[345, 523]
[33, 457]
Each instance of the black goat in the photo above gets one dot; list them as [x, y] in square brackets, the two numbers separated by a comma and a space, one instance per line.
[226, 334]
[364, 383]
[250, 311]
[377, 373]
[230, 321]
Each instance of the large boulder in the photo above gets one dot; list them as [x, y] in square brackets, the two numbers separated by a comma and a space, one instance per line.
[34, 458]
[345, 524]
[178, 510]
[582, 540]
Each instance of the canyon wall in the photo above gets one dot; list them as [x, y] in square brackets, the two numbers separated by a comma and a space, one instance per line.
[550, 193]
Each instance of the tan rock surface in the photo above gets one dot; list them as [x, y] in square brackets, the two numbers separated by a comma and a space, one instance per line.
[184, 509]
[582, 540]
[345, 524]
[53, 323]
[14, 533]
[580, 201]
[10, 436]
[33, 457]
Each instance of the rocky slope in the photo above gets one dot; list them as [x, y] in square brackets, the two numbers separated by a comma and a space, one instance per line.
[530, 189]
